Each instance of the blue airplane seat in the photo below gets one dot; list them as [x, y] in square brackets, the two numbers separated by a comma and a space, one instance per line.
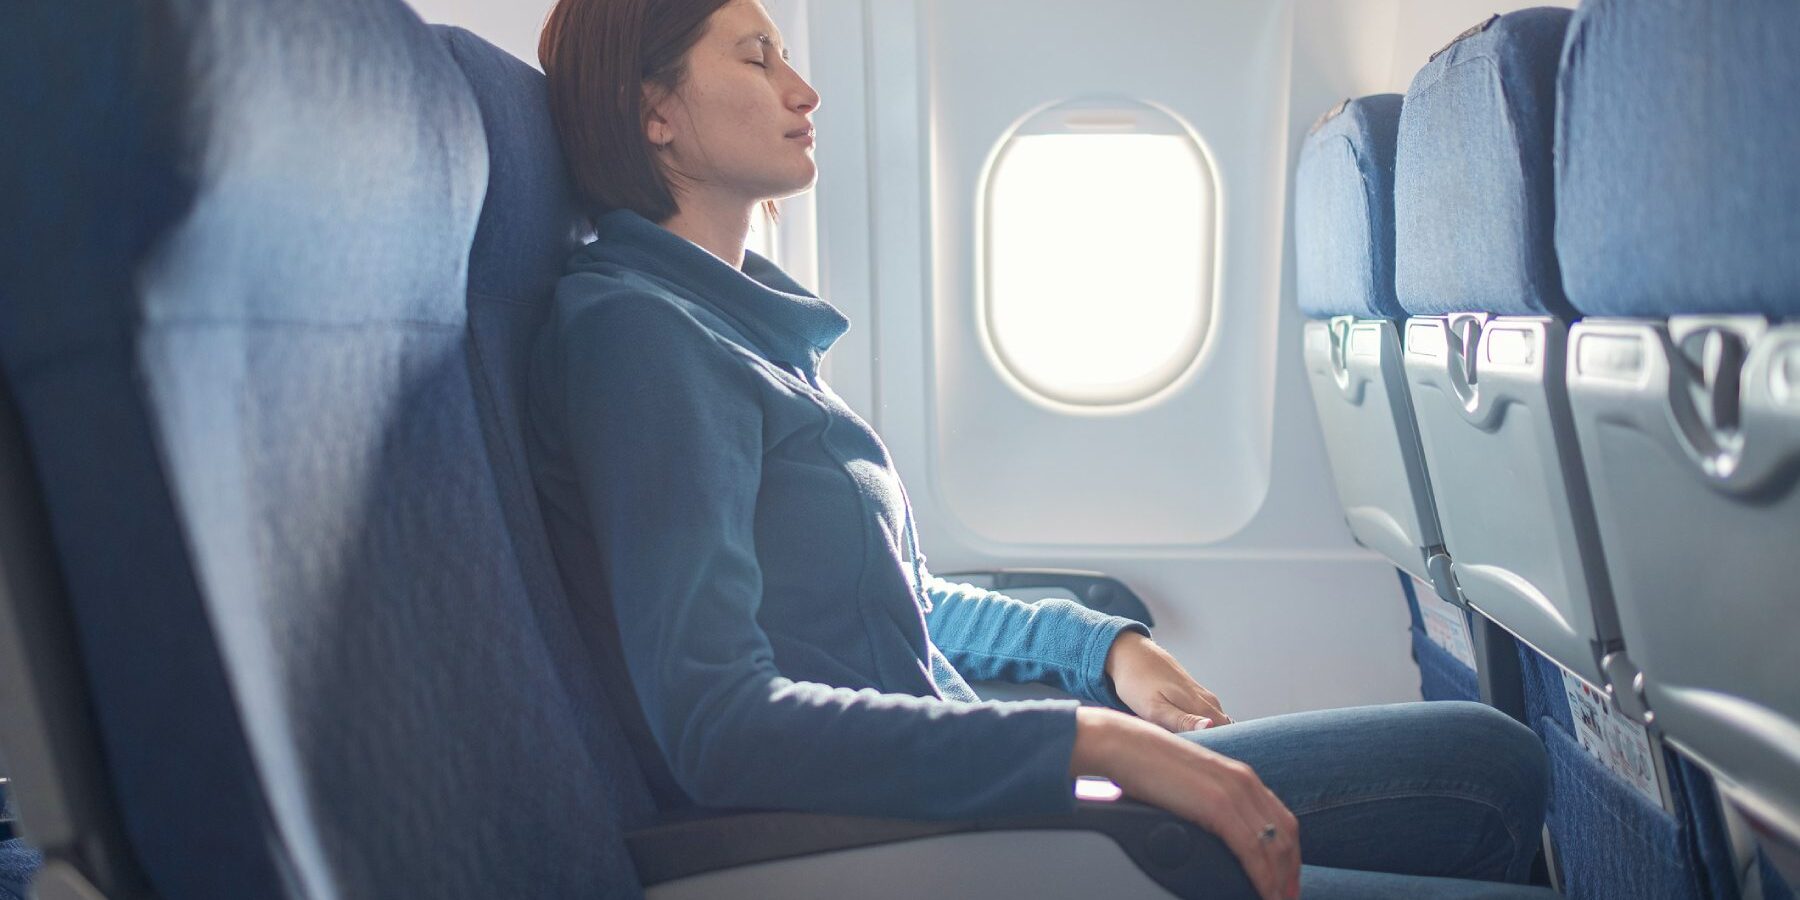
[1475, 265]
[531, 221]
[1344, 241]
[1679, 214]
[309, 650]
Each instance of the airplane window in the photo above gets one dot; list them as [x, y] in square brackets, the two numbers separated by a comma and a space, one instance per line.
[1099, 235]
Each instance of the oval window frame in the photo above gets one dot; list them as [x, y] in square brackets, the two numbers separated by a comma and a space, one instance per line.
[1103, 115]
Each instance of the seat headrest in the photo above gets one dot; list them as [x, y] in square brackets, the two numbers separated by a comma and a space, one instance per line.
[1676, 188]
[1344, 211]
[316, 168]
[533, 218]
[1473, 201]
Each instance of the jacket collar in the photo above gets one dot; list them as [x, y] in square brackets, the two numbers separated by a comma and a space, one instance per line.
[791, 324]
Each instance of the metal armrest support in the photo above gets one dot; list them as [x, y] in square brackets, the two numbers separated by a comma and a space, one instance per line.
[1094, 590]
[1176, 854]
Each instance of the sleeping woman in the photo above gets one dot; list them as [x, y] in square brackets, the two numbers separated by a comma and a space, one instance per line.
[740, 539]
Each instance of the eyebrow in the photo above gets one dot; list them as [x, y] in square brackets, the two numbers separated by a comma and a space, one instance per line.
[763, 38]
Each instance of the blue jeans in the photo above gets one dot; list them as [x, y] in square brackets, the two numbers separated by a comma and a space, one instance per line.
[1408, 800]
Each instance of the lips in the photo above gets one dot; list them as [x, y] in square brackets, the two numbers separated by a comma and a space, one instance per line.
[801, 132]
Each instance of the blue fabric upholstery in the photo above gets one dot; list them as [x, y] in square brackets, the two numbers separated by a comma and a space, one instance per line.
[308, 627]
[1441, 675]
[1473, 200]
[531, 221]
[1675, 140]
[1611, 842]
[1344, 212]
[19, 861]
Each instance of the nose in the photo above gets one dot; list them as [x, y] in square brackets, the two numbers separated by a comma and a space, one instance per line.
[802, 98]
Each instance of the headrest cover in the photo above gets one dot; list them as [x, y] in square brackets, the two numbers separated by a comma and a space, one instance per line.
[1344, 211]
[1677, 189]
[532, 219]
[1473, 201]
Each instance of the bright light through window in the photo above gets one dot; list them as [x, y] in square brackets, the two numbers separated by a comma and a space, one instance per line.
[1099, 240]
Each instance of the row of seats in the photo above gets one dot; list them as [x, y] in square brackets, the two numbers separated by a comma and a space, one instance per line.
[1554, 357]
[278, 616]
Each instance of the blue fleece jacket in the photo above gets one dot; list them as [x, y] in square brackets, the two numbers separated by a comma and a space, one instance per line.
[746, 539]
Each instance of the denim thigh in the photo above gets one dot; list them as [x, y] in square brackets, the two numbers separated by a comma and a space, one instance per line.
[1445, 789]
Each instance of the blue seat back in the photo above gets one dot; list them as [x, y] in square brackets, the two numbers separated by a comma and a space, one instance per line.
[315, 655]
[1676, 186]
[1473, 204]
[1344, 211]
[1487, 382]
[531, 221]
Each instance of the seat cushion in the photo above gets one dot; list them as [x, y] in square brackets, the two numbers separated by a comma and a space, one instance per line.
[1676, 188]
[1344, 211]
[1473, 200]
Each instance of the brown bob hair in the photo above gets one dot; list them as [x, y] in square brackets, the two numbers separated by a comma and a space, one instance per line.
[598, 56]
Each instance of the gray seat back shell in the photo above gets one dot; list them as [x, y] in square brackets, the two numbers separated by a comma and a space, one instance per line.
[1517, 520]
[1372, 442]
[1488, 390]
[1687, 404]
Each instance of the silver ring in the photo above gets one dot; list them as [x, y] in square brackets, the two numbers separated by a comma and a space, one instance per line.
[1268, 833]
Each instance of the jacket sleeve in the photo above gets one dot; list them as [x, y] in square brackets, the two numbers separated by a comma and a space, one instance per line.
[989, 636]
[664, 425]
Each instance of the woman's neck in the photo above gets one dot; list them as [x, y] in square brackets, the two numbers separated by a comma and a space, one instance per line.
[719, 227]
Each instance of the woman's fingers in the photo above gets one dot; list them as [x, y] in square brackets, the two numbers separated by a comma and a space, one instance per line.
[1237, 814]
[1286, 843]
[1211, 700]
[1232, 826]
[1260, 809]
[1189, 712]
[1220, 794]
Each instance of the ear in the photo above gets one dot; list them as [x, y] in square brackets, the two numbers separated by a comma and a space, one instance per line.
[657, 127]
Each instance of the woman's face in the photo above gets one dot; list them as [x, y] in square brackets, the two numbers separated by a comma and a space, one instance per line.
[738, 125]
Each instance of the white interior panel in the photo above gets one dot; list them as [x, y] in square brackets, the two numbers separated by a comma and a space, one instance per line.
[1191, 465]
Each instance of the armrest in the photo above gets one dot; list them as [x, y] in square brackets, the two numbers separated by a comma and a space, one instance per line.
[1175, 854]
[1095, 590]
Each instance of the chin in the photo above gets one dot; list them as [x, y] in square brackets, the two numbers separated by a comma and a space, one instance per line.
[798, 185]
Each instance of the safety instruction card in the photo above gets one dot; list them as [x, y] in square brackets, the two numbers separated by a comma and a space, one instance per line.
[1611, 737]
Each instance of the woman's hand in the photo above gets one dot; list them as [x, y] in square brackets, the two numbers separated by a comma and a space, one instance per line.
[1215, 792]
[1157, 688]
